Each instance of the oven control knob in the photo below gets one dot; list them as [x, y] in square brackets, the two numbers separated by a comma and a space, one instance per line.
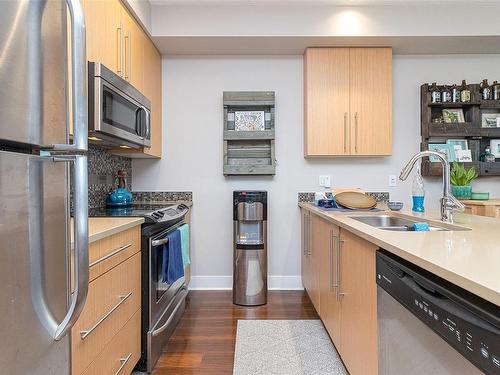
[160, 213]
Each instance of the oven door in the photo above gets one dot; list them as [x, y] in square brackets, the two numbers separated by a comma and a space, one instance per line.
[161, 293]
[118, 115]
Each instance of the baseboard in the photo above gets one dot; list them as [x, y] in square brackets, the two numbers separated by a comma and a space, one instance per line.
[226, 283]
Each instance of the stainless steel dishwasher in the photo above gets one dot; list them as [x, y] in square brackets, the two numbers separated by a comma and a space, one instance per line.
[427, 325]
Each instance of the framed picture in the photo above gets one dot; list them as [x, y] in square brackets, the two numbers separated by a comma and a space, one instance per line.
[464, 155]
[455, 146]
[453, 115]
[249, 121]
[490, 120]
[439, 147]
[495, 147]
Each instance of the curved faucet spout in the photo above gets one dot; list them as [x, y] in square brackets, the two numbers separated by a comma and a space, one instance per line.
[448, 202]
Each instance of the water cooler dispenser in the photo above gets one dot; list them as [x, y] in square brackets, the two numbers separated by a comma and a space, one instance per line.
[250, 248]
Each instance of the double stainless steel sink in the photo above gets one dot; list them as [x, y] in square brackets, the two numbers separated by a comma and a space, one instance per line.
[402, 224]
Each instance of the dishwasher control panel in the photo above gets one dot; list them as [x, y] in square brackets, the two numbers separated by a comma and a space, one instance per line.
[466, 330]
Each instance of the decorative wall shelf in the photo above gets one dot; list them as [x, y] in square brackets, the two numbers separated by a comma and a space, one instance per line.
[249, 152]
[477, 137]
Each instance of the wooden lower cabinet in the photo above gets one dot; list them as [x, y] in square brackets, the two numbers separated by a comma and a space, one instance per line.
[109, 327]
[357, 286]
[345, 294]
[330, 300]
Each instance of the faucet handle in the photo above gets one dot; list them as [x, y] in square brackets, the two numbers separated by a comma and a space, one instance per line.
[454, 203]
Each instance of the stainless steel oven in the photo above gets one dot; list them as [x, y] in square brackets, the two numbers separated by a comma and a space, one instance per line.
[162, 303]
[118, 112]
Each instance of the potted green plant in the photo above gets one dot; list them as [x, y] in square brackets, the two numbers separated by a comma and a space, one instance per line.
[460, 179]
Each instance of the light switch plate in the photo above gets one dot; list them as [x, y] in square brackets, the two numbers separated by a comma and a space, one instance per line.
[325, 180]
[393, 180]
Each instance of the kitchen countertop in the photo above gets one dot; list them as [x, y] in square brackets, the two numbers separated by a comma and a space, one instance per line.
[469, 259]
[101, 227]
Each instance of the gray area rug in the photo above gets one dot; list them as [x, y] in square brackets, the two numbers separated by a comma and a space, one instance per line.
[285, 347]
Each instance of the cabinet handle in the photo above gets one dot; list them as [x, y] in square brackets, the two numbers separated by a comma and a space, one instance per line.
[123, 362]
[85, 333]
[304, 248]
[309, 247]
[107, 256]
[333, 282]
[345, 132]
[128, 57]
[119, 34]
[356, 132]
[339, 257]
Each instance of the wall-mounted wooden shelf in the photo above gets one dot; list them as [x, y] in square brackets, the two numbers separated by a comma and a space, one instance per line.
[471, 130]
[249, 152]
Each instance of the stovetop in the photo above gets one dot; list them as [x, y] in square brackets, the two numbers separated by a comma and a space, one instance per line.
[151, 212]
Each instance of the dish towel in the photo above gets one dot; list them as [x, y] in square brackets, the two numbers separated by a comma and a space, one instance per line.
[185, 244]
[172, 267]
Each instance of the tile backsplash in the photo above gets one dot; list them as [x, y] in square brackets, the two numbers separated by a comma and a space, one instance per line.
[380, 196]
[103, 168]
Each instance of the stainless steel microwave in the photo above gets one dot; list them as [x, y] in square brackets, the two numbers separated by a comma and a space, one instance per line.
[118, 113]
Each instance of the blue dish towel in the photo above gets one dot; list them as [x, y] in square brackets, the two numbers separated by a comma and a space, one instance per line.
[172, 266]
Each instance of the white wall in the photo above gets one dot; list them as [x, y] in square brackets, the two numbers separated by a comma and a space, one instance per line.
[192, 147]
[142, 10]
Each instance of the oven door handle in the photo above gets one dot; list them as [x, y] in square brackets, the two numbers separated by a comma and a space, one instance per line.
[158, 331]
[163, 241]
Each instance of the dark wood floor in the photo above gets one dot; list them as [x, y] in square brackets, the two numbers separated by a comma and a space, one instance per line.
[203, 342]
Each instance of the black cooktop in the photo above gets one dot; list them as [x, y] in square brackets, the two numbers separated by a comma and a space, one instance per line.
[152, 212]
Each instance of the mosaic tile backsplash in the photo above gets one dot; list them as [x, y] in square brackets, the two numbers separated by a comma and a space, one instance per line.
[380, 196]
[162, 196]
[103, 168]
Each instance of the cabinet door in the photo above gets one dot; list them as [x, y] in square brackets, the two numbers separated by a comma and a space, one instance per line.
[134, 40]
[104, 33]
[359, 304]
[318, 246]
[330, 306]
[305, 266]
[326, 97]
[370, 82]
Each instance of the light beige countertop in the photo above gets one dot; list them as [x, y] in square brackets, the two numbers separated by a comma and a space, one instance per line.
[101, 227]
[469, 259]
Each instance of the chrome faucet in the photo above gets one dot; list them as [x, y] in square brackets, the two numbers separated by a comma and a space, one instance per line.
[448, 201]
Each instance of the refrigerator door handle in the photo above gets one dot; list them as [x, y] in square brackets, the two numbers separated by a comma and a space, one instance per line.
[78, 81]
[80, 243]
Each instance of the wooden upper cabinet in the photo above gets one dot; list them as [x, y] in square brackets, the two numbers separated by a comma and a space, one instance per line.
[104, 33]
[326, 94]
[370, 82]
[134, 41]
[348, 101]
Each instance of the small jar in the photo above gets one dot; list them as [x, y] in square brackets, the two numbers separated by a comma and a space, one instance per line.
[455, 94]
[495, 90]
[464, 92]
[446, 95]
[435, 94]
[485, 90]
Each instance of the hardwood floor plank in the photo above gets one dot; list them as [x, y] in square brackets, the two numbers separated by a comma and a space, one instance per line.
[203, 342]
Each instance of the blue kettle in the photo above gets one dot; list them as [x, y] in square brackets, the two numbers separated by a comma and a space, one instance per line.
[120, 196]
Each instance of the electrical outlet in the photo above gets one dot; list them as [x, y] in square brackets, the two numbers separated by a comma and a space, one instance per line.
[325, 180]
[393, 180]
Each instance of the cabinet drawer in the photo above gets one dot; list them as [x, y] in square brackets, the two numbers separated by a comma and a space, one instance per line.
[123, 351]
[110, 251]
[112, 300]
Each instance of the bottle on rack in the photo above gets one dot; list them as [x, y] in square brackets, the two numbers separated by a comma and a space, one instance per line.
[487, 156]
[418, 192]
[485, 90]
[435, 93]
[446, 95]
[455, 94]
[464, 92]
[495, 89]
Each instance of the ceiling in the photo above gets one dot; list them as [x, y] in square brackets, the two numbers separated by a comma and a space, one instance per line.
[319, 2]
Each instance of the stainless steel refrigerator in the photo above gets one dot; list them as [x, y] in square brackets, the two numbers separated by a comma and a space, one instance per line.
[42, 90]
